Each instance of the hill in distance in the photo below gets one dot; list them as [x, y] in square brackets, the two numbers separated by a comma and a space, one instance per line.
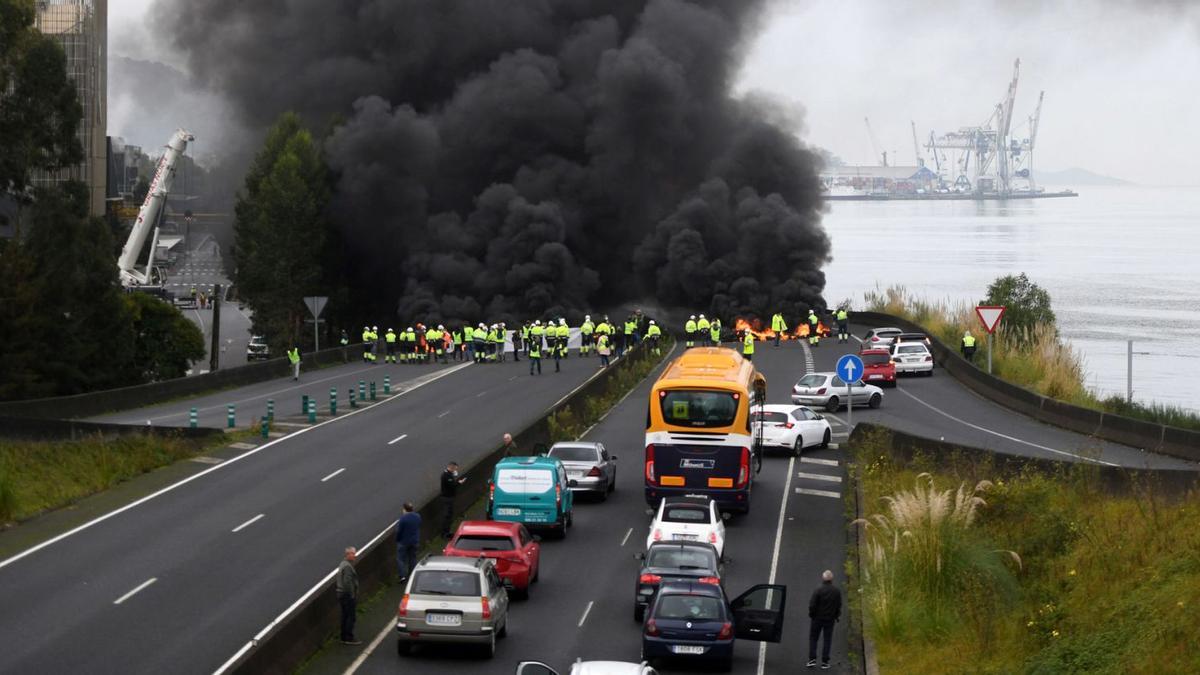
[1076, 176]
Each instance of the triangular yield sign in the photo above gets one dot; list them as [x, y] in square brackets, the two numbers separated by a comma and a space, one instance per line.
[989, 316]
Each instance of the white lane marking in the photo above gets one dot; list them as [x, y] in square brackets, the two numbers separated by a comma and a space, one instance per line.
[480, 393]
[585, 613]
[839, 420]
[856, 338]
[762, 646]
[833, 446]
[139, 588]
[819, 493]
[512, 378]
[819, 476]
[95, 521]
[397, 439]
[815, 460]
[1006, 436]
[248, 523]
[361, 658]
[443, 414]
[627, 536]
[333, 474]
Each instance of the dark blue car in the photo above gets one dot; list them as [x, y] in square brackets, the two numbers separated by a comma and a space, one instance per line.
[695, 622]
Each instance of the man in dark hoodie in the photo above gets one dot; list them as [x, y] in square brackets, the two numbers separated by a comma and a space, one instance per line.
[408, 538]
[824, 608]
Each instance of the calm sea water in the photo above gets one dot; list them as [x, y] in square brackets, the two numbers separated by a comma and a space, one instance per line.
[1119, 263]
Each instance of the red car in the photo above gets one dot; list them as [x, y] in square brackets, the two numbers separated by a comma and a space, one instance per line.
[878, 367]
[516, 553]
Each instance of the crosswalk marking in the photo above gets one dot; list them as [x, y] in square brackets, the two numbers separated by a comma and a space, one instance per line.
[819, 493]
[819, 476]
[816, 460]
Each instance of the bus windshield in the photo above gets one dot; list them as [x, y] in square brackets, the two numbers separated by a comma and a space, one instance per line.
[701, 409]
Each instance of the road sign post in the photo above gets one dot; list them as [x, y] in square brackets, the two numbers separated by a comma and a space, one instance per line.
[850, 369]
[989, 316]
[316, 305]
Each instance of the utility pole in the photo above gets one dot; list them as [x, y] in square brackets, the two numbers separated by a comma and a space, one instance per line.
[215, 357]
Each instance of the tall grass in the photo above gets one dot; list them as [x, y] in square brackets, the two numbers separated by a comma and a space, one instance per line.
[1036, 359]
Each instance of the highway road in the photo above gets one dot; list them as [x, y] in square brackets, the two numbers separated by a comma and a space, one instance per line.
[178, 582]
[202, 266]
[582, 605]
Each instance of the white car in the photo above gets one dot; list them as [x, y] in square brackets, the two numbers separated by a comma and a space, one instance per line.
[688, 519]
[792, 428]
[581, 667]
[912, 357]
[828, 391]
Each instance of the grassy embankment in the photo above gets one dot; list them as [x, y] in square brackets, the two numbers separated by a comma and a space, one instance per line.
[1040, 362]
[572, 421]
[39, 476]
[1032, 573]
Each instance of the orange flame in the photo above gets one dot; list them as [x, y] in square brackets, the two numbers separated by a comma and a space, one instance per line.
[755, 327]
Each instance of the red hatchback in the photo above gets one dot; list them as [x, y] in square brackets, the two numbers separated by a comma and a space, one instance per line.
[516, 553]
[878, 367]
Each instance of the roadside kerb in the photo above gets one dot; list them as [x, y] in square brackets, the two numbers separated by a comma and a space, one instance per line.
[1159, 438]
[304, 626]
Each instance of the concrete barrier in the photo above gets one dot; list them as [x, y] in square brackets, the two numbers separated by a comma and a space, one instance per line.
[296, 633]
[36, 429]
[1159, 438]
[101, 402]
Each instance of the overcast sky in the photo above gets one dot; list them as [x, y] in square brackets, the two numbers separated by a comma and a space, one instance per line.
[1122, 77]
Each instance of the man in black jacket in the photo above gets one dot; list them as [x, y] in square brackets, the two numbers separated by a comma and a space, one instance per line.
[824, 608]
[450, 483]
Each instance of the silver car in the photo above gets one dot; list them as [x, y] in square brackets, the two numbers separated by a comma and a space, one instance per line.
[880, 338]
[453, 599]
[581, 667]
[829, 391]
[589, 465]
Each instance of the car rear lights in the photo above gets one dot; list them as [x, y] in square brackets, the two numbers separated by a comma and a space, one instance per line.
[594, 473]
[788, 425]
[928, 358]
[744, 469]
[726, 631]
[651, 628]
[650, 465]
[402, 611]
[821, 391]
[557, 495]
[710, 580]
[657, 534]
[649, 579]
[712, 537]
[487, 607]
[491, 491]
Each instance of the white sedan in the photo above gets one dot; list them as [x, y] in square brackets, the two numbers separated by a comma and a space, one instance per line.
[912, 357]
[581, 667]
[792, 428]
[688, 519]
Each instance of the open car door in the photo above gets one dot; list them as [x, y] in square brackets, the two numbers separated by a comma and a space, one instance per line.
[758, 613]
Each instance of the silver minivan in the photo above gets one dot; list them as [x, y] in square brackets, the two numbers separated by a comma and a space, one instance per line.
[453, 599]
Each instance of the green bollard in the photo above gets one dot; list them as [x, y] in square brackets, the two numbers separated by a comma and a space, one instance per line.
[312, 412]
[192, 421]
[304, 405]
[229, 415]
[353, 401]
[266, 427]
[332, 401]
[387, 384]
[372, 391]
[270, 410]
[362, 390]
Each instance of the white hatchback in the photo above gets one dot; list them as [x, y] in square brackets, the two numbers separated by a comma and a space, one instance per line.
[792, 428]
[912, 357]
[688, 519]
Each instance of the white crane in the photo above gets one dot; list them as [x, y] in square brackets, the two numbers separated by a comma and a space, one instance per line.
[874, 143]
[148, 216]
[917, 145]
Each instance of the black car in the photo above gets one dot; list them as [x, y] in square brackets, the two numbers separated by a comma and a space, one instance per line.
[696, 622]
[665, 562]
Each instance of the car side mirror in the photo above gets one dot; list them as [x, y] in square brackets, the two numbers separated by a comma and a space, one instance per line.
[612, 458]
[639, 556]
[572, 483]
[537, 538]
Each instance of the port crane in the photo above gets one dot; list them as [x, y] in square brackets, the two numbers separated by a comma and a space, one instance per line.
[917, 145]
[132, 276]
[875, 143]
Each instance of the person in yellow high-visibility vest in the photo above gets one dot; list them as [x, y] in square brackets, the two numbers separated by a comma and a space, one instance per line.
[968, 346]
[654, 335]
[702, 326]
[294, 358]
[748, 346]
[689, 329]
[778, 326]
[814, 334]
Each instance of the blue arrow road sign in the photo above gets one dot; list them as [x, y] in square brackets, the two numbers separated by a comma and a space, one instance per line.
[850, 368]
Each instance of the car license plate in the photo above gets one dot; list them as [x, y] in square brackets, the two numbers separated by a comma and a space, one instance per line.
[874, 377]
[443, 619]
[686, 537]
[507, 511]
[574, 474]
[687, 649]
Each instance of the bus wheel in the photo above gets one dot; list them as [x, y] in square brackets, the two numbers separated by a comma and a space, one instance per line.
[833, 404]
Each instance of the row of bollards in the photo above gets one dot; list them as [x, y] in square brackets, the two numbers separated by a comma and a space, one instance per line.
[308, 406]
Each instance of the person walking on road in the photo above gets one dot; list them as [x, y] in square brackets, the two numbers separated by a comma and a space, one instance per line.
[814, 329]
[778, 326]
[450, 482]
[603, 349]
[968, 346]
[510, 447]
[748, 345]
[408, 538]
[824, 609]
[294, 358]
[346, 584]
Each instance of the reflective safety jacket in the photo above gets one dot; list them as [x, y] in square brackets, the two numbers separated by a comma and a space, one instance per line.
[689, 327]
[535, 349]
[748, 343]
[587, 327]
[457, 335]
[294, 355]
[367, 335]
[563, 332]
[603, 328]
[389, 336]
[812, 320]
[968, 340]
[469, 332]
[702, 325]
[537, 332]
[630, 327]
[777, 323]
[842, 315]
[653, 331]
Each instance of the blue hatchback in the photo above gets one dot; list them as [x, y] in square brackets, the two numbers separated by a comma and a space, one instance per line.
[694, 621]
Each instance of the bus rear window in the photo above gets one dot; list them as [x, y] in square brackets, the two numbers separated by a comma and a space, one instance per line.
[699, 408]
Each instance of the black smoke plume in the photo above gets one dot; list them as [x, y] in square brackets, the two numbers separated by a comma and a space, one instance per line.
[503, 159]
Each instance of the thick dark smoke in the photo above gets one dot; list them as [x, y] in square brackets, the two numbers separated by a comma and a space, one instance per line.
[501, 159]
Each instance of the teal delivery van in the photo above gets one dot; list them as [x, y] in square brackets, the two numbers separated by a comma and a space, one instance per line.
[531, 490]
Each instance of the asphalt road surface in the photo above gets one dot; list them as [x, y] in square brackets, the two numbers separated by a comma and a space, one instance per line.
[202, 267]
[179, 582]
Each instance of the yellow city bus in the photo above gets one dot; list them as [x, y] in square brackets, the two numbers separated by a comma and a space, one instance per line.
[698, 429]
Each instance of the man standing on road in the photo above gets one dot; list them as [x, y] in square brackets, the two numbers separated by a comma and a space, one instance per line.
[450, 483]
[824, 609]
[408, 538]
[702, 326]
[748, 345]
[843, 321]
[968, 346]
[689, 330]
[814, 329]
[294, 358]
[510, 447]
[778, 326]
[346, 583]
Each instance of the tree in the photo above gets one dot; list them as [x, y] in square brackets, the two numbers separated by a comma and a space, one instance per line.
[39, 109]
[283, 234]
[166, 343]
[1028, 305]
